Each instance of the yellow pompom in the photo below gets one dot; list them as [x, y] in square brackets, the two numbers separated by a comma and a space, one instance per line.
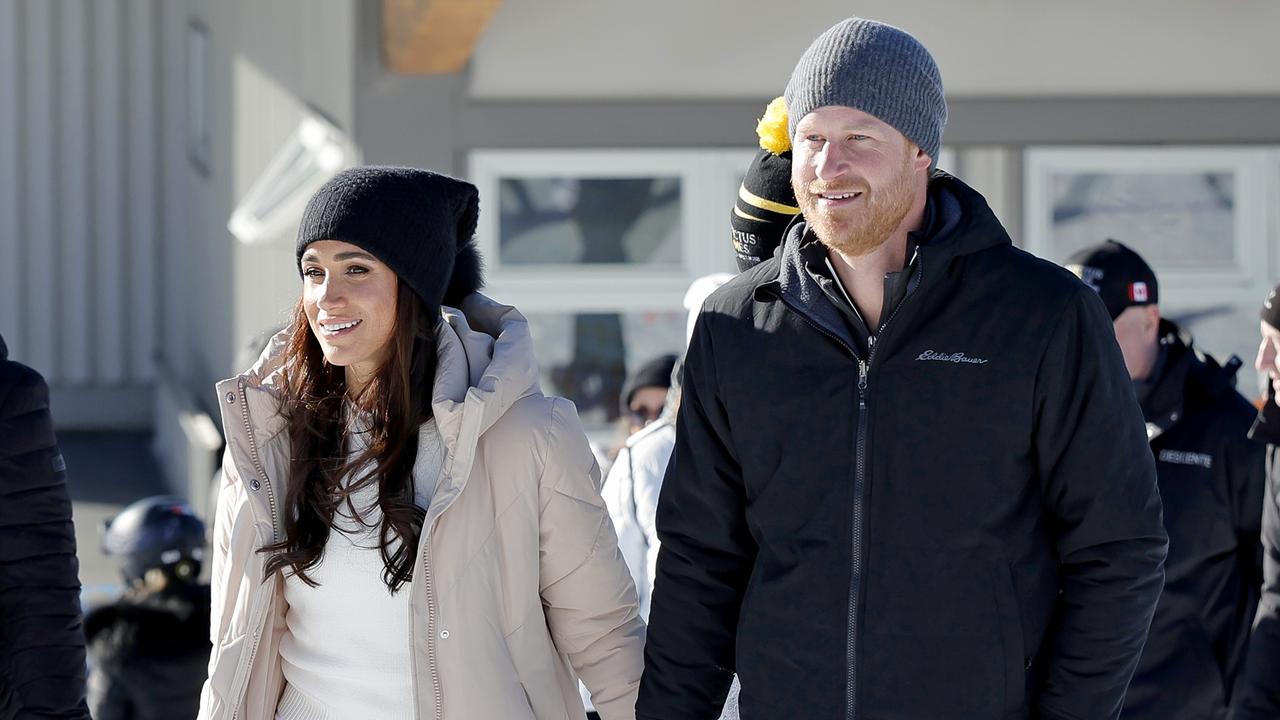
[772, 128]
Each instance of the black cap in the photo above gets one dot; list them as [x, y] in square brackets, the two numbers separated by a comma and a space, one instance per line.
[1270, 313]
[420, 223]
[655, 373]
[765, 206]
[1119, 275]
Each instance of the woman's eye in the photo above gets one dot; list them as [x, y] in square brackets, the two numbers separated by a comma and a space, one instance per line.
[357, 270]
[313, 273]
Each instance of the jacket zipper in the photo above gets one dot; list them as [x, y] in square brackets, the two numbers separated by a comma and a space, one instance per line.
[855, 575]
[431, 624]
[271, 499]
[859, 488]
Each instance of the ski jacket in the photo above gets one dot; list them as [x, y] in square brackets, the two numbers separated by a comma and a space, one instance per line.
[1260, 694]
[42, 656]
[520, 588]
[1211, 478]
[963, 524]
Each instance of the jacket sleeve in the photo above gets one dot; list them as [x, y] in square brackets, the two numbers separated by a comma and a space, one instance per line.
[42, 646]
[223, 584]
[587, 592]
[1099, 484]
[650, 465]
[1260, 698]
[705, 558]
[1246, 480]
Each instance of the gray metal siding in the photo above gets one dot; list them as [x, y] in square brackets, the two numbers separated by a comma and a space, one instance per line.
[80, 194]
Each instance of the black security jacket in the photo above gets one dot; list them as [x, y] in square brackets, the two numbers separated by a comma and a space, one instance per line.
[42, 657]
[1211, 482]
[962, 525]
[1260, 695]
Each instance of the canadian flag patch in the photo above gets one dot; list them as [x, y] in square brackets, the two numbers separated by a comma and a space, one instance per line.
[1138, 292]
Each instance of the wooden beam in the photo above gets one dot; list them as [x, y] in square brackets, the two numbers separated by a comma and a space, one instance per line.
[431, 37]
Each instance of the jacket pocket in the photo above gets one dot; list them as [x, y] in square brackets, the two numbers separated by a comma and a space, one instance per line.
[1017, 666]
[941, 639]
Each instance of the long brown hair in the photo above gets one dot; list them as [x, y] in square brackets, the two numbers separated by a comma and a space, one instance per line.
[396, 400]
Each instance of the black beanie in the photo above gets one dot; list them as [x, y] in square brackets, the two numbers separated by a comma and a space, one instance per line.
[1118, 274]
[1270, 313]
[655, 373]
[420, 223]
[765, 206]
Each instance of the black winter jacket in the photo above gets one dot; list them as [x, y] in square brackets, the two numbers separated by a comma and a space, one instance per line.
[1211, 483]
[42, 660]
[1260, 694]
[962, 525]
[150, 655]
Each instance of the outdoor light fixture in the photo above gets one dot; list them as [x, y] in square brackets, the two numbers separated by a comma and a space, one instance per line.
[314, 153]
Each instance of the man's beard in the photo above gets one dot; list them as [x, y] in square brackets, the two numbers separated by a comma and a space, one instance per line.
[858, 231]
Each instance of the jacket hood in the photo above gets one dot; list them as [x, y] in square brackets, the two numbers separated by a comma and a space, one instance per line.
[1188, 376]
[484, 359]
[958, 221]
[485, 365]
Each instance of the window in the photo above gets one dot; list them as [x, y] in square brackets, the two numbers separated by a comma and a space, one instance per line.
[597, 249]
[1197, 215]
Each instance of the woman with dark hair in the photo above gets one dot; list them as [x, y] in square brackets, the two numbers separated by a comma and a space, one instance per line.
[407, 527]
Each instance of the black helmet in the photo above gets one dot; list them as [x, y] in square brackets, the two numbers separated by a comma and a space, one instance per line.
[156, 533]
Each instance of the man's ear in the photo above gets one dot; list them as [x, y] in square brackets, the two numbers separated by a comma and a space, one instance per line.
[922, 160]
[1151, 317]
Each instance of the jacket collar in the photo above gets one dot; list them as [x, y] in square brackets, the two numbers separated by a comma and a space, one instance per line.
[485, 365]
[1187, 376]
[957, 222]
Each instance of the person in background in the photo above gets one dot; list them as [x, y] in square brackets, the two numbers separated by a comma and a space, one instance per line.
[1211, 478]
[1260, 695]
[42, 653]
[645, 393]
[150, 648]
[766, 204]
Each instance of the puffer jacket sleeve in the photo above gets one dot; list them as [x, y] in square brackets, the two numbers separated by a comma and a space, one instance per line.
[1099, 483]
[224, 581]
[42, 646]
[587, 591]
[706, 555]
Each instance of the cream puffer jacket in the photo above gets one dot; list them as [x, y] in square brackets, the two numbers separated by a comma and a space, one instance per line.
[520, 587]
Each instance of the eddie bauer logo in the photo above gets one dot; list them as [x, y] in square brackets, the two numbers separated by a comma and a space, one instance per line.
[951, 358]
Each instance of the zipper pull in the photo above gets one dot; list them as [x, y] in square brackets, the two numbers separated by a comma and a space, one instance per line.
[862, 377]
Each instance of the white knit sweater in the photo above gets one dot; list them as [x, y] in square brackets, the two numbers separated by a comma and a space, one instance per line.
[346, 653]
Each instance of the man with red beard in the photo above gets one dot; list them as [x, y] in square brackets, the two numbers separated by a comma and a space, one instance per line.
[910, 477]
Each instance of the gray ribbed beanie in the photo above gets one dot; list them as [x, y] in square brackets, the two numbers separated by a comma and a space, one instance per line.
[878, 69]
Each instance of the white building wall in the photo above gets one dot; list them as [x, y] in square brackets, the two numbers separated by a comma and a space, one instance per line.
[547, 49]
